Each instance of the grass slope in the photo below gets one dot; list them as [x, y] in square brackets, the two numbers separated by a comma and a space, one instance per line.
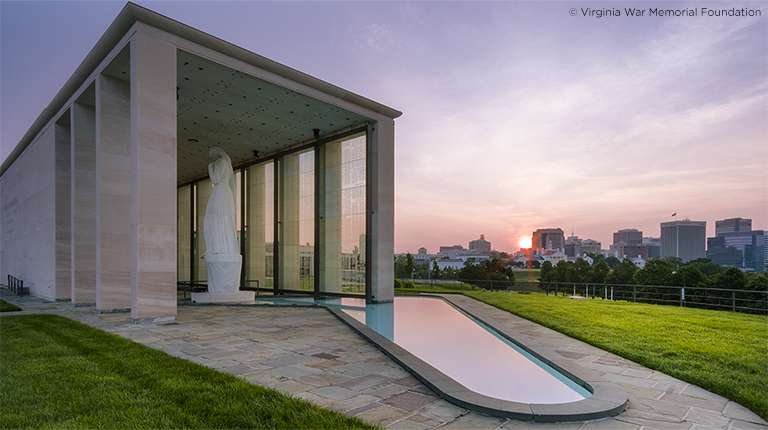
[8, 307]
[58, 373]
[723, 352]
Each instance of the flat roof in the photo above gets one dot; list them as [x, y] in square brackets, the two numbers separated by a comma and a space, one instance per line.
[282, 127]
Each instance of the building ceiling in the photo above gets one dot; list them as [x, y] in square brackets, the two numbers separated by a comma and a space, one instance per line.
[220, 106]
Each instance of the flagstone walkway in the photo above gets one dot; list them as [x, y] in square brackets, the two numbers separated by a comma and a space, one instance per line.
[309, 353]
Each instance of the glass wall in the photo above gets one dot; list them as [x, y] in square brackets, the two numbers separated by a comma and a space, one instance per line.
[183, 230]
[304, 222]
[296, 211]
[341, 216]
[260, 226]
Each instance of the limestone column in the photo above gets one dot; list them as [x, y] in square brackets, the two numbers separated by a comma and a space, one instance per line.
[380, 171]
[83, 204]
[113, 194]
[153, 179]
[63, 280]
[329, 198]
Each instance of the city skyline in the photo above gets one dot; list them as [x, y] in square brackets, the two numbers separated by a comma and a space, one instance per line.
[516, 115]
[604, 245]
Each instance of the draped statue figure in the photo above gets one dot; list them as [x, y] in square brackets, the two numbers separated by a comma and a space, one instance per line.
[219, 224]
[223, 261]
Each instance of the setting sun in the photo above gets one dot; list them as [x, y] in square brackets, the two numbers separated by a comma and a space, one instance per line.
[524, 241]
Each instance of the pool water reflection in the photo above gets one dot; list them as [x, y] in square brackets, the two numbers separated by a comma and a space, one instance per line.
[463, 349]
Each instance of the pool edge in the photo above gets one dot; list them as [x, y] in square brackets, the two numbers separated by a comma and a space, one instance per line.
[607, 399]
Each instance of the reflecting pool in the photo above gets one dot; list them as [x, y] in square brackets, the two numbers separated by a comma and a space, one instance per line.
[462, 348]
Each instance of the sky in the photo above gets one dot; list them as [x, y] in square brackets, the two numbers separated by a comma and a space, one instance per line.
[517, 115]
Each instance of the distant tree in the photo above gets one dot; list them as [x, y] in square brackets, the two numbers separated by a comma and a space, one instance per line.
[571, 274]
[655, 272]
[546, 269]
[706, 266]
[583, 270]
[731, 279]
[435, 270]
[600, 271]
[404, 266]
[596, 258]
[473, 272]
[612, 262]
[757, 282]
[621, 274]
[675, 261]
[409, 265]
[689, 276]
[560, 271]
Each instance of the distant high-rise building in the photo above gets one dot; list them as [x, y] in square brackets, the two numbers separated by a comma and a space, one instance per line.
[685, 239]
[589, 245]
[629, 236]
[422, 250]
[724, 255]
[451, 251]
[480, 245]
[573, 246]
[548, 238]
[621, 251]
[737, 245]
[654, 246]
[745, 249]
[732, 225]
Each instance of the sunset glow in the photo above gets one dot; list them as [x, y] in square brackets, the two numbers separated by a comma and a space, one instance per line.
[516, 115]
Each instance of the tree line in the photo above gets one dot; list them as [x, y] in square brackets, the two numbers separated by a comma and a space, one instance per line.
[496, 268]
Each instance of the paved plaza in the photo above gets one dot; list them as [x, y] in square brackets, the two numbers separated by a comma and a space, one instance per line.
[309, 353]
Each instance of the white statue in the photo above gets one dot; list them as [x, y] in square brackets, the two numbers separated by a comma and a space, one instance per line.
[223, 262]
[219, 224]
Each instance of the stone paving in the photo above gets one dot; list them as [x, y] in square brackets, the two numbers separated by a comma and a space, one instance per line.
[309, 353]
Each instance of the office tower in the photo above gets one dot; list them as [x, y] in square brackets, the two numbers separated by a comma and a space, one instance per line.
[629, 236]
[480, 245]
[732, 225]
[548, 238]
[684, 239]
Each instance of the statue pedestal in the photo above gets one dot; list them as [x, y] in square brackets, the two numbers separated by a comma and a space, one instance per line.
[236, 297]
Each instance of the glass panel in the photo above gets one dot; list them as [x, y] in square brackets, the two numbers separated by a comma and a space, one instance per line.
[259, 225]
[353, 214]
[297, 223]
[342, 218]
[183, 239]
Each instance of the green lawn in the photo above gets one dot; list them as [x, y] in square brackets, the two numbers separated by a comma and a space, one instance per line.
[8, 307]
[723, 352]
[58, 373]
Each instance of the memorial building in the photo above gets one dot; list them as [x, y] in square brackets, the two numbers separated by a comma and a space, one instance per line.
[103, 200]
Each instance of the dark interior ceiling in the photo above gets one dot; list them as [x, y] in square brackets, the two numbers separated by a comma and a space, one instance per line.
[219, 106]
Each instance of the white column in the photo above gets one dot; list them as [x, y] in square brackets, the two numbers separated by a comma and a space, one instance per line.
[381, 206]
[153, 179]
[63, 163]
[83, 209]
[113, 194]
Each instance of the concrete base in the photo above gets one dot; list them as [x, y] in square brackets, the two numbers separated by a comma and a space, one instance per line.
[236, 297]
